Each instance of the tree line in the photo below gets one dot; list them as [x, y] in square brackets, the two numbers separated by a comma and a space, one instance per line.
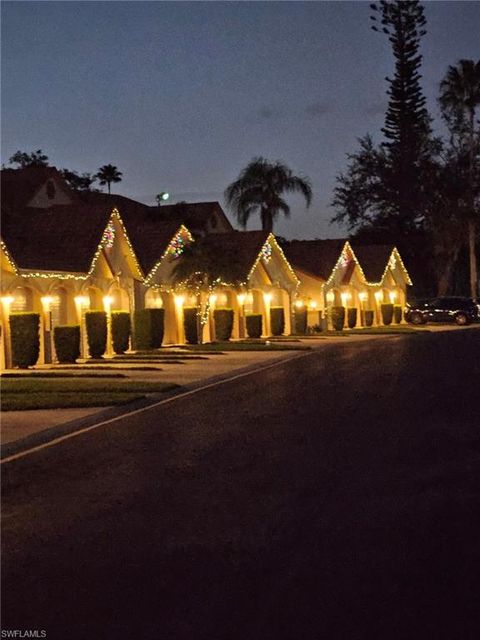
[106, 175]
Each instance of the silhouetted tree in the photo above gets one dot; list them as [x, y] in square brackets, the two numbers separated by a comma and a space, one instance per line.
[33, 159]
[459, 98]
[108, 174]
[259, 189]
[78, 182]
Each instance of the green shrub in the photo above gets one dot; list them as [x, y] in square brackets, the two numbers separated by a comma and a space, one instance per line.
[148, 329]
[253, 323]
[223, 324]
[277, 321]
[300, 320]
[96, 324]
[25, 337]
[67, 343]
[351, 317]
[397, 313]
[190, 324]
[338, 318]
[120, 331]
[387, 313]
[368, 318]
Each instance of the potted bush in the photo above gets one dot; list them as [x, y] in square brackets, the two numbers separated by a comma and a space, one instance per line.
[190, 324]
[387, 313]
[397, 313]
[25, 338]
[120, 331]
[253, 323]
[67, 343]
[148, 329]
[351, 317]
[338, 318]
[277, 320]
[300, 320]
[96, 324]
[223, 319]
[368, 318]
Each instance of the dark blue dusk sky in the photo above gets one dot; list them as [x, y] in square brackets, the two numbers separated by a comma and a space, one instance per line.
[180, 96]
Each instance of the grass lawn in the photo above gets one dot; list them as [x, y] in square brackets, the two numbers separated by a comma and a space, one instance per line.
[244, 346]
[38, 393]
[61, 374]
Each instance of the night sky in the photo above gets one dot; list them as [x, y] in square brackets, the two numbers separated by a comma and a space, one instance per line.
[181, 96]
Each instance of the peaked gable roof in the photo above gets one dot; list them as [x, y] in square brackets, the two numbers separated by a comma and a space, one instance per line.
[373, 259]
[20, 185]
[54, 239]
[316, 257]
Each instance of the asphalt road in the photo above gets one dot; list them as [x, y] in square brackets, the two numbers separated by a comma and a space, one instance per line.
[336, 496]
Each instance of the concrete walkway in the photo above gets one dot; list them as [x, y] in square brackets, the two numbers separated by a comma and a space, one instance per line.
[17, 425]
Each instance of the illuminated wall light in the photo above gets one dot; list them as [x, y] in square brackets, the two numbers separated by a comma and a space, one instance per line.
[345, 298]
[378, 296]
[82, 301]
[393, 295]
[312, 305]
[299, 304]
[267, 297]
[212, 299]
[241, 297]
[46, 302]
[330, 296]
[363, 295]
[107, 303]
[179, 300]
[7, 300]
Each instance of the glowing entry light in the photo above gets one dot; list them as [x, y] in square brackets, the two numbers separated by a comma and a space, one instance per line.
[393, 295]
[46, 302]
[312, 305]
[330, 296]
[241, 299]
[107, 302]
[299, 304]
[212, 299]
[345, 298]
[378, 296]
[7, 300]
[363, 295]
[267, 297]
[179, 300]
[82, 301]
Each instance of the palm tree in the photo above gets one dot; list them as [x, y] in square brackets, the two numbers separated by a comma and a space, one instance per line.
[460, 93]
[108, 174]
[259, 189]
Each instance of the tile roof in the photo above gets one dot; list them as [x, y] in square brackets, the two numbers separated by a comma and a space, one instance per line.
[20, 185]
[373, 259]
[56, 239]
[316, 257]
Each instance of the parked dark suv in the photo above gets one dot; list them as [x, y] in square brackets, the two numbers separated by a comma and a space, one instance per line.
[448, 309]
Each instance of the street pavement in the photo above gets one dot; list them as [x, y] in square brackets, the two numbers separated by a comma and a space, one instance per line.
[331, 496]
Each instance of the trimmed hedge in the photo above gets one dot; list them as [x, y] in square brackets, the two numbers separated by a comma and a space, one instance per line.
[149, 325]
[25, 337]
[121, 329]
[301, 320]
[66, 339]
[190, 324]
[338, 318]
[351, 317]
[253, 322]
[387, 313]
[397, 313]
[368, 318]
[96, 324]
[223, 319]
[277, 321]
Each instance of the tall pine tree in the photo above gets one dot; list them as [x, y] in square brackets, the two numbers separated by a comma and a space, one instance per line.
[393, 197]
[407, 123]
